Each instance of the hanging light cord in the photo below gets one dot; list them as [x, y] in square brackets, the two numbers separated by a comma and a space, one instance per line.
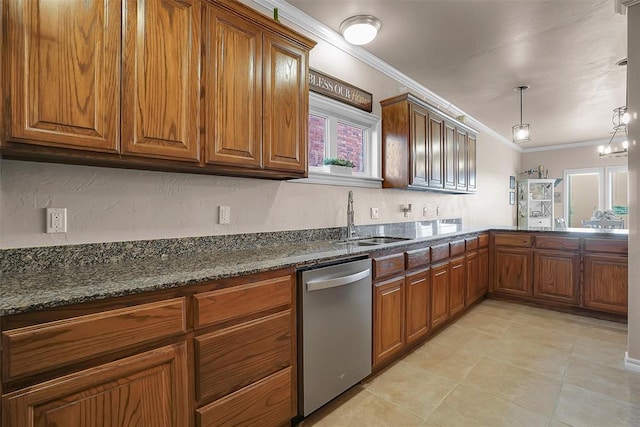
[520, 105]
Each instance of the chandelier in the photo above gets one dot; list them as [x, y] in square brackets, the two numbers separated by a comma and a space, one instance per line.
[620, 121]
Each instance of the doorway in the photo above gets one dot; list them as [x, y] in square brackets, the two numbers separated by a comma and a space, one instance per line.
[583, 190]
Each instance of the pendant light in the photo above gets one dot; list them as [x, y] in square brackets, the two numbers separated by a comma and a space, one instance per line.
[360, 29]
[521, 132]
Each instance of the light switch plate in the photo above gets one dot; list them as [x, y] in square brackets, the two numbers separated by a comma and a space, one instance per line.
[56, 220]
[375, 213]
[224, 214]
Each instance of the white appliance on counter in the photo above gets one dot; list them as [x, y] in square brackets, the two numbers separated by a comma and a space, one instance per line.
[335, 329]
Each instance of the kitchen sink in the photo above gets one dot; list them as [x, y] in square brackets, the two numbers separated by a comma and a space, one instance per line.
[373, 241]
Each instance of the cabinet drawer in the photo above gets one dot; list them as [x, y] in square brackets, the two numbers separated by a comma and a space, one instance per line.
[456, 248]
[387, 265]
[439, 252]
[232, 358]
[264, 403]
[606, 245]
[42, 347]
[471, 243]
[550, 242]
[483, 240]
[417, 258]
[539, 222]
[239, 301]
[513, 239]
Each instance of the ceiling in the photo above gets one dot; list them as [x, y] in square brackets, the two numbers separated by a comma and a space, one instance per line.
[474, 52]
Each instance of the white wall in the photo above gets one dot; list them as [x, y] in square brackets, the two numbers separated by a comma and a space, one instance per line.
[118, 204]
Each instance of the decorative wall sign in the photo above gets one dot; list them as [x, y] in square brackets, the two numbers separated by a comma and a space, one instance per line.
[339, 90]
[512, 182]
[512, 197]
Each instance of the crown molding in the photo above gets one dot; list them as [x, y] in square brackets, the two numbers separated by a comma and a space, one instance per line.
[629, 3]
[591, 143]
[318, 29]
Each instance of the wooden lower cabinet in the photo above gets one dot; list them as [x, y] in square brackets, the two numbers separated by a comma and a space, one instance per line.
[513, 268]
[456, 285]
[388, 320]
[555, 276]
[439, 294]
[483, 272]
[148, 389]
[417, 305]
[606, 283]
[472, 279]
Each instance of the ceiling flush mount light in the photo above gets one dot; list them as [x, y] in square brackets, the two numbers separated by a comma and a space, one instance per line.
[620, 121]
[521, 132]
[360, 29]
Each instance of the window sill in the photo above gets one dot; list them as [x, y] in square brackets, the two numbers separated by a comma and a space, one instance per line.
[339, 179]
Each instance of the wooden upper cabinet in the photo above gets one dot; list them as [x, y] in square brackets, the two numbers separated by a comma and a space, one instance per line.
[161, 79]
[286, 105]
[419, 146]
[450, 157]
[232, 82]
[64, 73]
[461, 151]
[472, 179]
[436, 152]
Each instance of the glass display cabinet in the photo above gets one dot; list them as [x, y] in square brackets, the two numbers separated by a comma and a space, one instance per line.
[535, 202]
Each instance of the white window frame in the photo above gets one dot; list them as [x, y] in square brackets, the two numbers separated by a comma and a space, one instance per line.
[583, 171]
[335, 112]
[609, 193]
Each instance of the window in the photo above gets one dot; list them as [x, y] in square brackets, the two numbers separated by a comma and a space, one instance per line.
[339, 131]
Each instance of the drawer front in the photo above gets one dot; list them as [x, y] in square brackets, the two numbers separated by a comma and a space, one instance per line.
[417, 258]
[550, 242]
[264, 403]
[240, 301]
[439, 252]
[456, 248]
[42, 347]
[606, 245]
[472, 243]
[387, 265]
[513, 239]
[483, 240]
[540, 222]
[232, 358]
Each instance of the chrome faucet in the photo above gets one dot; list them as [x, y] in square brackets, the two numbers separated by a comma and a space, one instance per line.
[351, 232]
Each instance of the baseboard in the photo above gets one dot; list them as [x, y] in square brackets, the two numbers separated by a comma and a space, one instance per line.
[631, 364]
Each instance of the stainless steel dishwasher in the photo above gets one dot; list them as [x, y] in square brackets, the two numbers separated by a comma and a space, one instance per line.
[335, 330]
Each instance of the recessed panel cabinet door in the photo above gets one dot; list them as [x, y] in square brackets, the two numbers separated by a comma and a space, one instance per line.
[450, 157]
[417, 305]
[286, 105]
[439, 294]
[419, 148]
[472, 184]
[436, 152]
[388, 319]
[64, 72]
[161, 79]
[232, 81]
[606, 283]
[555, 276]
[461, 157]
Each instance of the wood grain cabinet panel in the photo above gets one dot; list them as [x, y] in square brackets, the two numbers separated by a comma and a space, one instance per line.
[388, 265]
[63, 74]
[436, 152]
[417, 305]
[556, 276]
[483, 272]
[472, 278]
[450, 157]
[419, 146]
[483, 240]
[149, 389]
[558, 243]
[513, 239]
[606, 283]
[46, 346]
[613, 246]
[456, 248]
[264, 403]
[232, 82]
[439, 294]
[417, 258]
[232, 358]
[286, 105]
[472, 178]
[513, 271]
[461, 149]
[439, 252]
[456, 285]
[161, 79]
[388, 319]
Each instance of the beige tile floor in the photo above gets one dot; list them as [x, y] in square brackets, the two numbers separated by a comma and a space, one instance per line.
[501, 364]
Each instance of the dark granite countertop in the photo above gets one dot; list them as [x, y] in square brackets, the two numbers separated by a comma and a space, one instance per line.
[24, 291]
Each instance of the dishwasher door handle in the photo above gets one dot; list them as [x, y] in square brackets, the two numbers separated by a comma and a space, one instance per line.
[316, 285]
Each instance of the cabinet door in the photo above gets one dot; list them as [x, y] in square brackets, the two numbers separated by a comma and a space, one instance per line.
[456, 285]
[555, 276]
[149, 389]
[472, 184]
[419, 135]
[417, 305]
[606, 283]
[388, 319]
[161, 79]
[286, 105]
[439, 294]
[64, 69]
[461, 150]
[436, 152]
[232, 81]
[472, 279]
[483, 272]
[450, 157]
[512, 271]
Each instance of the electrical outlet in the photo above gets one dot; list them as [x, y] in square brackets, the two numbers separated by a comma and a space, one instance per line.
[375, 213]
[224, 214]
[56, 220]
[425, 211]
[438, 211]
